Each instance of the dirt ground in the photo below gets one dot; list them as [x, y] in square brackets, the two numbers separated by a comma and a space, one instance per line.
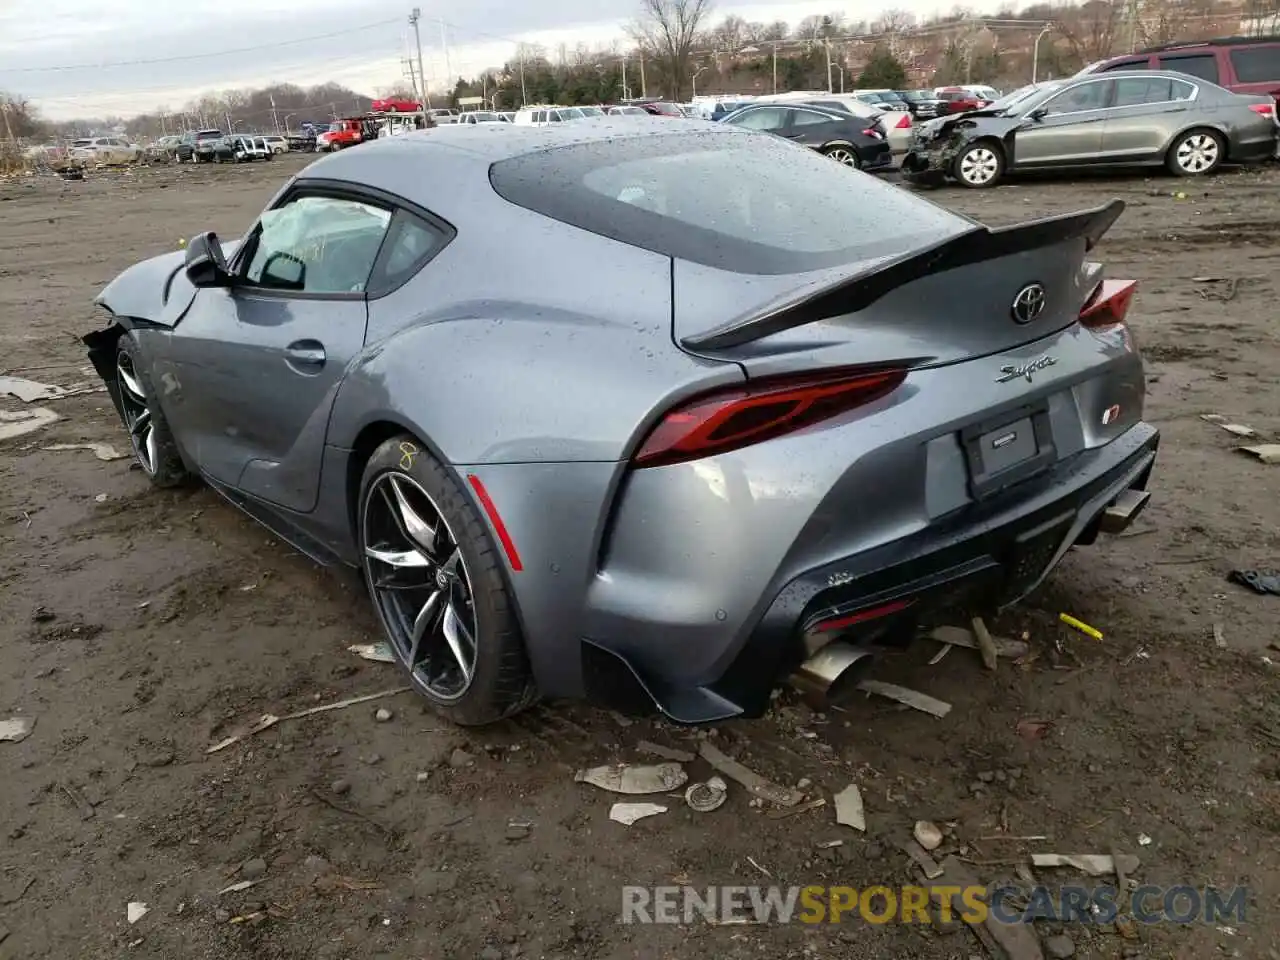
[140, 627]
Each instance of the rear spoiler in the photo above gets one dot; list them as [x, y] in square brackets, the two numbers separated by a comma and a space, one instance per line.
[863, 289]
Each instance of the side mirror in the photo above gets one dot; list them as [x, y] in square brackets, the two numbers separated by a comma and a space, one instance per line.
[205, 265]
[1039, 113]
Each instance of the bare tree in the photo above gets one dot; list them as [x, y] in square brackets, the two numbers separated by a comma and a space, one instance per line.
[19, 118]
[1092, 29]
[667, 31]
[731, 33]
[1162, 21]
[893, 20]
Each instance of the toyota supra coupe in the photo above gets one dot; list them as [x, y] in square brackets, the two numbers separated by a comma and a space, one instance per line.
[781, 410]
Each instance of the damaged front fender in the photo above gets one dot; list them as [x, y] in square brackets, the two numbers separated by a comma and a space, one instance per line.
[939, 142]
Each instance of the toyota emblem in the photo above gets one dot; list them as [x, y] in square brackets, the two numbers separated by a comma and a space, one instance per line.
[1029, 303]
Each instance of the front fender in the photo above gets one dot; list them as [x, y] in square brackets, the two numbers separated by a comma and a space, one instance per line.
[155, 290]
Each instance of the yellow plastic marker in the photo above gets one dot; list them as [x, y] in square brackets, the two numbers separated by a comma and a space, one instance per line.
[1083, 627]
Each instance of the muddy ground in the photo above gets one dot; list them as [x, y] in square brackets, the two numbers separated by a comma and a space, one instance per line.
[139, 627]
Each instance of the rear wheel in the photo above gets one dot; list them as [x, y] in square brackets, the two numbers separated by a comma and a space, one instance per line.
[1195, 153]
[842, 154]
[436, 582]
[154, 448]
[979, 165]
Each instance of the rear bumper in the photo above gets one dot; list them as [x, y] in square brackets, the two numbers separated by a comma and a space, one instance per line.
[993, 552]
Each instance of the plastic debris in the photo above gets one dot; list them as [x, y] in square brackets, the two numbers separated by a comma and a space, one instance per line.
[28, 391]
[1219, 638]
[756, 785]
[1144, 840]
[1239, 429]
[136, 910]
[1094, 864]
[25, 421]
[912, 698]
[1259, 581]
[927, 835]
[629, 813]
[666, 753]
[379, 652]
[268, 720]
[849, 810]
[16, 729]
[1266, 452]
[623, 778]
[705, 797]
[237, 887]
[103, 451]
[1080, 625]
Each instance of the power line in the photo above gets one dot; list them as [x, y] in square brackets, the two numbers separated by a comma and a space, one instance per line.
[203, 56]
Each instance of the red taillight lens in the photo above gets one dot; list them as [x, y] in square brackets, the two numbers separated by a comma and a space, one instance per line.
[1109, 304]
[730, 419]
[1266, 109]
[904, 122]
[872, 132]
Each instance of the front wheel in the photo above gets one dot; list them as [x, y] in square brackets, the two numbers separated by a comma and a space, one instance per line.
[154, 448]
[1195, 153]
[436, 581]
[844, 155]
[979, 165]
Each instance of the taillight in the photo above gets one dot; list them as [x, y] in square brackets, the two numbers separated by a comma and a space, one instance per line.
[1266, 109]
[872, 132]
[1109, 304]
[904, 122]
[725, 420]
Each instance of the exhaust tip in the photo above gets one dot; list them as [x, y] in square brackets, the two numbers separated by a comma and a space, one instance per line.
[831, 675]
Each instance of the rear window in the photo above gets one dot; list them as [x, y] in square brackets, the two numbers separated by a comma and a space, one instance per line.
[1202, 65]
[1257, 64]
[744, 203]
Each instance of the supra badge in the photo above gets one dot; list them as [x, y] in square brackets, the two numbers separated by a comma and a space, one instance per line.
[1025, 370]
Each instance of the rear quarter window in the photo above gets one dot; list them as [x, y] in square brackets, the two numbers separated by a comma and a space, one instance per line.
[747, 203]
[1257, 64]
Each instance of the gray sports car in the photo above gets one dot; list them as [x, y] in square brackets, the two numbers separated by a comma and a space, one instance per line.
[1121, 118]
[782, 410]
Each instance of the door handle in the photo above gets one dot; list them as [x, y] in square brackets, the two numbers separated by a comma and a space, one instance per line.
[310, 352]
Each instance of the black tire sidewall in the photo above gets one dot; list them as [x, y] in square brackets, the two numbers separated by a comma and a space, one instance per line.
[171, 471]
[502, 682]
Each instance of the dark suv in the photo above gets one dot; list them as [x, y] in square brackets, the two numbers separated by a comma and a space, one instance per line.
[1241, 64]
[198, 146]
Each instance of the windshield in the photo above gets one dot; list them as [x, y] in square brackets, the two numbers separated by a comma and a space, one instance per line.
[591, 111]
[1025, 97]
[749, 204]
[209, 135]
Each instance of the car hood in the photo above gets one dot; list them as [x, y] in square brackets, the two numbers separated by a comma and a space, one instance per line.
[155, 290]
[977, 121]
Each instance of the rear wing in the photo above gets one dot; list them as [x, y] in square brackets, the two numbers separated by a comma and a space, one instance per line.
[862, 289]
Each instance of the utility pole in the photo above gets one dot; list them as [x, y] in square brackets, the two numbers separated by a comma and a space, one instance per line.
[524, 97]
[775, 66]
[422, 74]
[643, 91]
[275, 117]
[624, 79]
[826, 39]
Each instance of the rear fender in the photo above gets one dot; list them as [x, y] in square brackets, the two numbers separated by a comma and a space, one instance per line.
[1215, 127]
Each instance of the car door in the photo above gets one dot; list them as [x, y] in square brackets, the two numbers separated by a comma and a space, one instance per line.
[1147, 111]
[257, 363]
[809, 127]
[765, 119]
[1067, 128]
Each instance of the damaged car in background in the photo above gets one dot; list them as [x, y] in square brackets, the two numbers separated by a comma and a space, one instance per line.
[1128, 118]
[837, 409]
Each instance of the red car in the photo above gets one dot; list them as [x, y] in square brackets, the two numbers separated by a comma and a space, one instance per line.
[1249, 65]
[395, 105]
[960, 100]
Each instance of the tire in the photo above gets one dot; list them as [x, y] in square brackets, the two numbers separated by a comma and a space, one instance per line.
[843, 155]
[154, 449]
[461, 573]
[979, 165]
[1196, 153]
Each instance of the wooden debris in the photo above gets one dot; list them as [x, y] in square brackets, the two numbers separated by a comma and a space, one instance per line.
[756, 785]
[912, 698]
[986, 646]
[1017, 941]
[960, 637]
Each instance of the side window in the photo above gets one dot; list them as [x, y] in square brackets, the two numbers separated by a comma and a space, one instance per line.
[1182, 90]
[1257, 64]
[1202, 65]
[411, 242]
[808, 118]
[317, 244]
[1133, 91]
[1085, 96]
[555, 116]
[539, 116]
[766, 118]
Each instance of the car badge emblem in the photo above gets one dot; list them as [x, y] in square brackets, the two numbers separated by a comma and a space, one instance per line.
[1025, 370]
[1029, 303]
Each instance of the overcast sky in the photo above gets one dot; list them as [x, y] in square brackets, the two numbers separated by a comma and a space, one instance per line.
[71, 56]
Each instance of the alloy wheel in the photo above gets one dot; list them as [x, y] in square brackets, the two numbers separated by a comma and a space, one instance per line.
[979, 165]
[841, 155]
[137, 415]
[420, 583]
[1197, 153]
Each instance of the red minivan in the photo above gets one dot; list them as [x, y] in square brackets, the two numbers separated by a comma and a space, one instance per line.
[1241, 64]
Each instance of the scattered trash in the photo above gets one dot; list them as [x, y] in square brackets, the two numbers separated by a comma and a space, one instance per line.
[267, 720]
[756, 785]
[942, 652]
[379, 652]
[960, 637]
[705, 797]
[25, 421]
[16, 729]
[382, 715]
[816, 804]
[1016, 941]
[1266, 452]
[1259, 581]
[1080, 625]
[926, 863]
[623, 778]
[518, 829]
[912, 698]
[752, 861]
[927, 835]
[829, 844]
[136, 910]
[849, 810]
[1219, 638]
[1094, 864]
[237, 887]
[629, 813]
[1144, 840]
[1239, 429]
[28, 391]
[103, 451]
[100, 498]
[666, 753]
